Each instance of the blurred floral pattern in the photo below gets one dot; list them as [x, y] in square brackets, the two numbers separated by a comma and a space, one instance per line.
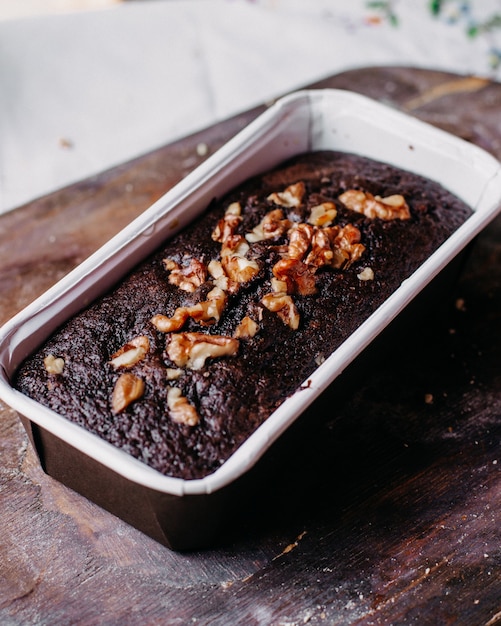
[474, 18]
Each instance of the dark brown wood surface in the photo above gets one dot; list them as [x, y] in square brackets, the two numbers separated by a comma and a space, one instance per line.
[381, 506]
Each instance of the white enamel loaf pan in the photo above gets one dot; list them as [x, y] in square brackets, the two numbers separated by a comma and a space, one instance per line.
[184, 514]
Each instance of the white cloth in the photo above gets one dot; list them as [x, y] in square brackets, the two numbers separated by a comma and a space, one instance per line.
[82, 92]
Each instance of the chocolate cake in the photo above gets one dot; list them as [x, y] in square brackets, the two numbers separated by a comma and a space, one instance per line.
[193, 350]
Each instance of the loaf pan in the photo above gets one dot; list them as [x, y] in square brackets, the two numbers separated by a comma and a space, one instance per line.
[186, 514]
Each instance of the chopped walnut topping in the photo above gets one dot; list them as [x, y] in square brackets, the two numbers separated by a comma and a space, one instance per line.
[181, 411]
[186, 278]
[240, 269]
[273, 225]
[366, 274]
[229, 224]
[205, 313]
[234, 245]
[170, 324]
[345, 245]
[171, 265]
[237, 267]
[234, 209]
[212, 308]
[128, 388]
[193, 349]
[298, 277]
[389, 208]
[219, 277]
[131, 353]
[309, 246]
[284, 306]
[53, 365]
[321, 249]
[278, 286]
[234, 268]
[246, 329]
[300, 236]
[323, 214]
[291, 197]
[348, 242]
[173, 373]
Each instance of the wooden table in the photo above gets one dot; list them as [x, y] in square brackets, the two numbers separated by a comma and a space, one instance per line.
[381, 506]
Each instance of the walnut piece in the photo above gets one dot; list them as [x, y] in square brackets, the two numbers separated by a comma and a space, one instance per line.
[219, 277]
[347, 246]
[335, 246]
[389, 208]
[128, 388]
[229, 224]
[236, 266]
[321, 252]
[170, 324]
[205, 313]
[278, 286]
[298, 277]
[283, 305]
[181, 411]
[131, 353]
[273, 225]
[246, 329]
[291, 197]
[300, 236]
[173, 373]
[53, 365]
[191, 350]
[322, 214]
[212, 308]
[186, 278]
[366, 274]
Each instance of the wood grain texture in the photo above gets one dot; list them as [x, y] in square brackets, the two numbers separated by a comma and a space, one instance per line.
[382, 505]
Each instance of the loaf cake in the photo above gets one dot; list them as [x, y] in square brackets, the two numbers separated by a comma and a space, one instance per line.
[194, 349]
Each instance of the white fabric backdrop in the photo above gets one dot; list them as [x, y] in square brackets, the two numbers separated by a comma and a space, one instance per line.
[82, 92]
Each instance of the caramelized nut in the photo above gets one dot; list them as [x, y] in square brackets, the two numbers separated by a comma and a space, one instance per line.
[237, 267]
[205, 313]
[53, 365]
[181, 411]
[246, 329]
[291, 197]
[234, 245]
[273, 225]
[173, 373]
[389, 208]
[128, 388]
[366, 274]
[298, 277]
[321, 249]
[300, 237]
[278, 286]
[323, 214]
[131, 353]
[193, 349]
[171, 265]
[219, 277]
[186, 278]
[170, 324]
[240, 269]
[283, 305]
[212, 308]
[344, 243]
[348, 241]
[229, 224]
